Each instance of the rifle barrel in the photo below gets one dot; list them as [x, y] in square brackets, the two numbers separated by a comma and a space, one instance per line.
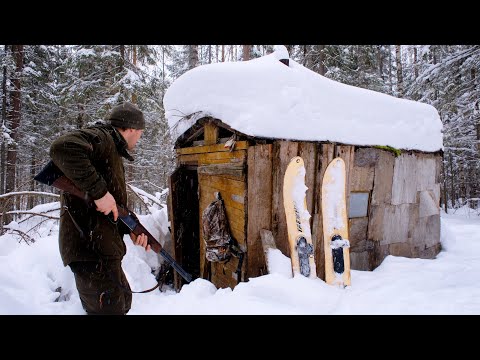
[157, 247]
[178, 268]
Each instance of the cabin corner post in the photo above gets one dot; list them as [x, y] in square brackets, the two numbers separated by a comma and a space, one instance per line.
[259, 205]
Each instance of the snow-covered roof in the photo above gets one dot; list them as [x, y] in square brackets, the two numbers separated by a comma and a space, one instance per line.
[265, 98]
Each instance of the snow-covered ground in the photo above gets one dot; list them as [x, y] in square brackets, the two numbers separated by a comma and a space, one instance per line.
[33, 279]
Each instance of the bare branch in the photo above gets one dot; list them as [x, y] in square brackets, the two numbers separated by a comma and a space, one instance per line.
[37, 225]
[33, 213]
[25, 237]
[17, 193]
[141, 199]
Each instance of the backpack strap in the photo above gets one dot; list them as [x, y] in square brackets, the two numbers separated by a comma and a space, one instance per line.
[239, 254]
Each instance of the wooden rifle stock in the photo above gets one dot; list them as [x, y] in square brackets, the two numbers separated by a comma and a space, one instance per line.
[66, 185]
[51, 175]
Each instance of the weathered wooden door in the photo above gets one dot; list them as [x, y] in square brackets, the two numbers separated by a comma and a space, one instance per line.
[184, 220]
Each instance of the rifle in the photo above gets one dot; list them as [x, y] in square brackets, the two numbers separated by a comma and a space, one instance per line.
[51, 175]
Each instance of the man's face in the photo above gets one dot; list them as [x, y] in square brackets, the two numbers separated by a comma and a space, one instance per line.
[133, 136]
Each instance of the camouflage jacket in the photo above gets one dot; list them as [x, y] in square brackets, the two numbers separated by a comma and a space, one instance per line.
[92, 159]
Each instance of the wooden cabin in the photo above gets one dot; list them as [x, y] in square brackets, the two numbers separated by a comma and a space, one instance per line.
[393, 200]
[393, 197]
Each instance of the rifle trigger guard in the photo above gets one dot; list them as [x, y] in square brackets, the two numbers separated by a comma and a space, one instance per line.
[110, 218]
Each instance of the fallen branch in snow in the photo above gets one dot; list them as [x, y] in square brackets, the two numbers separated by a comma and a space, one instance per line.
[25, 237]
[38, 214]
[17, 193]
[37, 225]
[33, 214]
[7, 201]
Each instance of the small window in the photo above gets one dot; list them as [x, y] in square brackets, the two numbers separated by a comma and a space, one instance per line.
[358, 204]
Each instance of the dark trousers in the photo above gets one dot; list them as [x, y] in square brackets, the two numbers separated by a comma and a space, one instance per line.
[103, 287]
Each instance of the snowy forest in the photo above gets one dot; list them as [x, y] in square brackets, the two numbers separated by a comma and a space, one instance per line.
[47, 90]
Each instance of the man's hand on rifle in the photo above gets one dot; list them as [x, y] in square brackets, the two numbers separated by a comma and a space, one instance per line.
[141, 240]
[107, 204]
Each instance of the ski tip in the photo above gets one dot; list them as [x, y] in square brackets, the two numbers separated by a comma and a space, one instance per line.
[297, 160]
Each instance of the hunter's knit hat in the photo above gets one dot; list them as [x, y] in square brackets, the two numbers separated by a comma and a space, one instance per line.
[127, 115]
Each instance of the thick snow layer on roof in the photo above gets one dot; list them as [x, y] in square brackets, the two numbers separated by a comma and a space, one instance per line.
[265, 98]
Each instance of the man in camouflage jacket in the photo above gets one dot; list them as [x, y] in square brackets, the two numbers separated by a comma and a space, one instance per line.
[90, 242]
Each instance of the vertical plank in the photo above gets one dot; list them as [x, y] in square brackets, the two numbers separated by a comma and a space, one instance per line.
[396, 222]
[377, 254]
[359, 261]
[347, 153]
[210, 133]
[405, 179]
[383, 178]
[376, 215]
[308, 152]
[380, 199]
[438, 167]
[357, 228]
[317, 240]
[363, 169]
[283, 152]
[259, 205]
[426, 172]
[268, 242]
[324, 156]
[205, 268]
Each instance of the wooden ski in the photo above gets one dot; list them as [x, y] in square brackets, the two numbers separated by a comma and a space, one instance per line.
[335, 224]
[298, 223]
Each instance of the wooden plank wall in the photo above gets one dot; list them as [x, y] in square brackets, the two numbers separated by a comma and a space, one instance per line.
[396, 223]
[233, 191]
[404, 218]
[316, 157]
